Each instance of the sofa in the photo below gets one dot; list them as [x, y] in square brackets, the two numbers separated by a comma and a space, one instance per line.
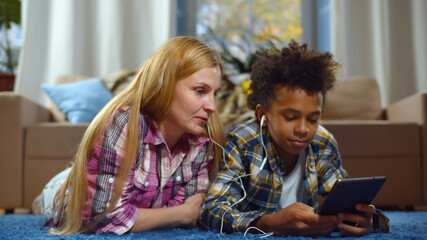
[37, 142]
[375, 141]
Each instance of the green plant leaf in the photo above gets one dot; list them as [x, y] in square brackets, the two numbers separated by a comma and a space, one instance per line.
[10, 12]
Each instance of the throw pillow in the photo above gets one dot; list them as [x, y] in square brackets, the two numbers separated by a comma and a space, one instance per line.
[79, 101]
[355, 98]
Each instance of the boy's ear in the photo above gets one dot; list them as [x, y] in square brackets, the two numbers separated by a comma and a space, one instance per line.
[260, 112]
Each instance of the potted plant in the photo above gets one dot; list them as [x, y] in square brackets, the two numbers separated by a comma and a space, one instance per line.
[239, 56]
[10, 12]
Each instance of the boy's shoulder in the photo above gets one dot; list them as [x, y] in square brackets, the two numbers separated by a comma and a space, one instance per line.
[324, 138]
[245, 133]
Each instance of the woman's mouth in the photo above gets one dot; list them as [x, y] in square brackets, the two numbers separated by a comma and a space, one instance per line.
[203, 120]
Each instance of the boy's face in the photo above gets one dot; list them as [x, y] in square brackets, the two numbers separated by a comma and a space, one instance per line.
[292, 120]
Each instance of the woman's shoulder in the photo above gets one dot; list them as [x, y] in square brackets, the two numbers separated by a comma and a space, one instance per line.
[120, 119]
[121, 115]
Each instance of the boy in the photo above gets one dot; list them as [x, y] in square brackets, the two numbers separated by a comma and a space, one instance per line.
[276, 166]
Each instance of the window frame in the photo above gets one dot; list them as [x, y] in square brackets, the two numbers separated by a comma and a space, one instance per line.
[314, 19]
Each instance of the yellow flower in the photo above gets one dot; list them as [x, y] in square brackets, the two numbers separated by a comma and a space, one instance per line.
[245, 85]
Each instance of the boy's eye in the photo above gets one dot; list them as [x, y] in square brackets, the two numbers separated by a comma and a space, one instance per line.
[313, 120]
[289, 118]
[199, 90]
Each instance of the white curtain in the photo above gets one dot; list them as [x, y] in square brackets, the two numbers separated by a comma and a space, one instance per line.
[87, 37]
[385, 39]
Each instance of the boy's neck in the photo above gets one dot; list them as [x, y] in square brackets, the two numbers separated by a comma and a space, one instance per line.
[289, 160]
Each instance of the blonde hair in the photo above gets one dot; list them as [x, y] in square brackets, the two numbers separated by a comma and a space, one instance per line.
[153, 91]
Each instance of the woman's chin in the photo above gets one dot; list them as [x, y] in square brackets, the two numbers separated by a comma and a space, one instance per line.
[195, 130]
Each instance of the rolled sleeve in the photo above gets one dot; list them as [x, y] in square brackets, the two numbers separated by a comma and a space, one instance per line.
[102, 167]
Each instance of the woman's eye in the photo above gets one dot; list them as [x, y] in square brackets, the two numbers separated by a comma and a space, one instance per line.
[290, 118]
[200, 91]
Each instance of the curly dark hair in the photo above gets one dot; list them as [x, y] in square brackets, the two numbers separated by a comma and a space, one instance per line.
[296, 66]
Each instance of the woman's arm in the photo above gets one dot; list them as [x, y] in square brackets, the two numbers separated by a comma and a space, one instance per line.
[169, 217]
[198, 168]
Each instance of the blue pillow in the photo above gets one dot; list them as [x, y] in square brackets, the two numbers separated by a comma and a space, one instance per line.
[79, 101]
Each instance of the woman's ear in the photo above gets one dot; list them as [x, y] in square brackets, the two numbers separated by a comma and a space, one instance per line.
[260, 112]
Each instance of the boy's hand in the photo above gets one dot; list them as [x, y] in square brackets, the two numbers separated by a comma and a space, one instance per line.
[363, 221]
[297, 219]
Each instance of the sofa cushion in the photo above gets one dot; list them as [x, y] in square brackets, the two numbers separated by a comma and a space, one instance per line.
[79, 101]
[119, 80]
[356, 98]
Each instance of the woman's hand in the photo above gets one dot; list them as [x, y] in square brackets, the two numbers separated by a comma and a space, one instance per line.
[363, 221]
[297, 219]
[191, 207]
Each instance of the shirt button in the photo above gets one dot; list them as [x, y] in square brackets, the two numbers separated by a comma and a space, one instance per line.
[178, 178]
[111, 180]
[146, 184]
[206, 181]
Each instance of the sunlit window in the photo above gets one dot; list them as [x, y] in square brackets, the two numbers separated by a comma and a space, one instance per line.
[258, 20]
[240, 27]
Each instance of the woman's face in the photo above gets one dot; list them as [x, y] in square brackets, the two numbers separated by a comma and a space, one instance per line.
[193, 102]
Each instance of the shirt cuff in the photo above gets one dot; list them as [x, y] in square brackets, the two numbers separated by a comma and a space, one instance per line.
[245, 222]
[120, 220]
[380, 222]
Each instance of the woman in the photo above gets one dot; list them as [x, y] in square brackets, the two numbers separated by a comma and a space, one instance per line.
[144, 161]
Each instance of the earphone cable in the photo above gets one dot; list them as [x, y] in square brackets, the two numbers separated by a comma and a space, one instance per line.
[239, 177]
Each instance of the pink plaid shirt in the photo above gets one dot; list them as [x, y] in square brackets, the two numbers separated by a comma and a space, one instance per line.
[159, 177]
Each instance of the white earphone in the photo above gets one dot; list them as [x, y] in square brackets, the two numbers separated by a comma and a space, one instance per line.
[262, 143]
[239, 177]
[262, 120]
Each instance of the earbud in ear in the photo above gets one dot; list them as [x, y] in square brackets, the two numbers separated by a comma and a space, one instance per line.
[263, 119]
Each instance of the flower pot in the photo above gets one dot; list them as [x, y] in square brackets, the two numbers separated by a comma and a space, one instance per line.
[7, 81]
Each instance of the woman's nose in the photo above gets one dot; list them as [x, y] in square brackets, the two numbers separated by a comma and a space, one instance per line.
[210, 105]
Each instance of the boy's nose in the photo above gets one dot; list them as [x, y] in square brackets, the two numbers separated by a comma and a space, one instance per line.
[302, 129]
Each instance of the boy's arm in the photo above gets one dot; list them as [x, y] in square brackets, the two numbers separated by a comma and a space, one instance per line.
[329, 166]
[220, 210]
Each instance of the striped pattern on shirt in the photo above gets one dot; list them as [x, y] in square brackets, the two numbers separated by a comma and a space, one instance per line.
[244, 155]
[159, 177]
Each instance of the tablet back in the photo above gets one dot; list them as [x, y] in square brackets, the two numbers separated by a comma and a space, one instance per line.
[346, 193]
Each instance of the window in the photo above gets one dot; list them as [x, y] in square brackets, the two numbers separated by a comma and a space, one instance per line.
[244, 26]
[253, 20]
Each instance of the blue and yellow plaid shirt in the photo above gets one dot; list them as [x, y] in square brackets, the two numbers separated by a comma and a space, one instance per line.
[228, 204]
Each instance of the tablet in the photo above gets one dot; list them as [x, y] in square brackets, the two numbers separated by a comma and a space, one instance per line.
[346, 193]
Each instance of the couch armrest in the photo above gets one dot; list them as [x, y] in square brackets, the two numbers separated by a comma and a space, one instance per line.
[412, 108]
[16, 112]
[383, 148]
[49, 148]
